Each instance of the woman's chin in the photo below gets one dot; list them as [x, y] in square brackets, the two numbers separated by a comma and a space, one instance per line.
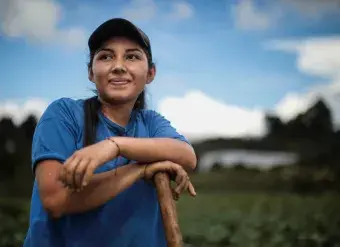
[120, 98]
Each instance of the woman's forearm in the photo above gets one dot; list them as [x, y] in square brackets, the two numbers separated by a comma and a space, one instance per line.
[146, 150]
[103, 187]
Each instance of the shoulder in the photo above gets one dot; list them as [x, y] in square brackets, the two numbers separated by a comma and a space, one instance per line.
[154, 120]
[150, 115]
[63, 106]
[159, 126]
[64, 109]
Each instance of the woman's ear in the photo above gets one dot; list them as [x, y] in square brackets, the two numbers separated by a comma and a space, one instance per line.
[151, 74]
[90, 74]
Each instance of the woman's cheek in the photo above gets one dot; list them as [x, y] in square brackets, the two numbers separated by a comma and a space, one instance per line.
[139, 74]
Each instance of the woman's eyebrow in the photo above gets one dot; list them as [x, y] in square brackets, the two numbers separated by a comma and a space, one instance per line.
[105, 49]
[134, 49]
[127, 50]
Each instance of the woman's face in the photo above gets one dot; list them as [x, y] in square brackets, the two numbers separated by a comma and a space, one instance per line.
[120, 71]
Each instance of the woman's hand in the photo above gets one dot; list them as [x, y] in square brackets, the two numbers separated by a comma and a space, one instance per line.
[177, 174]
[78, 169]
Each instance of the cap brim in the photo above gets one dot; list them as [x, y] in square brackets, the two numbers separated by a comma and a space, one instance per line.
[114, 28]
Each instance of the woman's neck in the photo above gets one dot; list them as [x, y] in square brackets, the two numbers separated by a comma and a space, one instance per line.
[120, 114]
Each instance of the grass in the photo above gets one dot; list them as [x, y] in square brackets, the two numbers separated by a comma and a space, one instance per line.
[257, 219]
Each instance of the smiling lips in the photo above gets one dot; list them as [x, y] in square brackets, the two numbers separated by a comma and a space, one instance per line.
[119, 81]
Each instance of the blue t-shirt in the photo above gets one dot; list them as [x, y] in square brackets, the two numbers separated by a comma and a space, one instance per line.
[131, 219]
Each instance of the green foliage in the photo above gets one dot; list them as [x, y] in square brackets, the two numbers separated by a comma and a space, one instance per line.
[227, 219]
[14, 222]
[255, 220]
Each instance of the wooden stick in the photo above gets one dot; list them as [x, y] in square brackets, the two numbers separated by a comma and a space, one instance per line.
[168, 210]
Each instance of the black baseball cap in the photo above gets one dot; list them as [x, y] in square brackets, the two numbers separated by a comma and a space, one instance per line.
[118, 27]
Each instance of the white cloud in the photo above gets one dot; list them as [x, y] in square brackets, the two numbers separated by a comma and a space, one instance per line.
[19, 112]
[248, 16]
[294, 103]
[181, 10]
[316, 57]
[199, 116]
[312, 9]
[140, 10]
[144, 10]
[37, 20]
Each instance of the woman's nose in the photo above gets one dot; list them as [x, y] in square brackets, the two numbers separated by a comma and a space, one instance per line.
[119, 66]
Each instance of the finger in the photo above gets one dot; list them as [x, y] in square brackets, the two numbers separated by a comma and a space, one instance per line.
[183, 180]
[79, 173]
[181, 184]
[191, 189]
[70, 168]
[178, 179]
[175, 196]
[186, 184]
[88, 173]
[62, 175]
[62, 172]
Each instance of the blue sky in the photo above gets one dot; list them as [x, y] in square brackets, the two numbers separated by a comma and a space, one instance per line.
[218, 49]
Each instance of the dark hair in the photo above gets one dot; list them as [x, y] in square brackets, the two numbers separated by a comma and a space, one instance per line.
[92, 106]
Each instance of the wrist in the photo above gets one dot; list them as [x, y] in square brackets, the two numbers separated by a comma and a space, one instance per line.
[116, 145]
[140, 170]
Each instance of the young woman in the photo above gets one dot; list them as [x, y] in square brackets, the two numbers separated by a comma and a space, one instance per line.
[94, 159]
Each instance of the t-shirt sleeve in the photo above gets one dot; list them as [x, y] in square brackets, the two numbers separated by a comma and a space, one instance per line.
[161, 127]
[54, 137]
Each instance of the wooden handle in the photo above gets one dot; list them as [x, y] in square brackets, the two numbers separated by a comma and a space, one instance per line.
[168, 210]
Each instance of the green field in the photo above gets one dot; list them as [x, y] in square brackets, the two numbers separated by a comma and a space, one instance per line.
[260, 220]
[231, 209]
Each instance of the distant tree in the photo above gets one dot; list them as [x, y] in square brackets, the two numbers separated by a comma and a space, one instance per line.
[274, 125]
[217, 166]
[8, 133]
[15, 157]
[314, 124]
[240, 167]
[28, 127]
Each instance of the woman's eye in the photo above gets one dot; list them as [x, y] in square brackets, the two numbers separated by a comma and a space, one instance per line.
[105, 57]
[132, 57]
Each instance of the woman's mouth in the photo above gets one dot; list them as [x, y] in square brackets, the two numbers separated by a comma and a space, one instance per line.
[119, 81]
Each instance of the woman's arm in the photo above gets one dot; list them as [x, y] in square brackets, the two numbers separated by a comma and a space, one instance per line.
[59, 200]
[78, 169]
[146, 150]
